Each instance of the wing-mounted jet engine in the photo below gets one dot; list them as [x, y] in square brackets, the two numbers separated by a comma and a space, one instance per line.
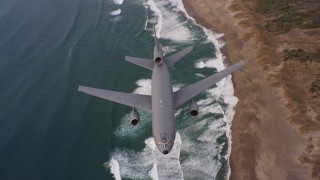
[134, 117]
[194, 109]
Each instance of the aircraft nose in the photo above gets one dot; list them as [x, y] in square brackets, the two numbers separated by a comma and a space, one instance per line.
[165, 152]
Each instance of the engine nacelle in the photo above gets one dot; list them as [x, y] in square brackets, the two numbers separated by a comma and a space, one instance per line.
[193, 109]
[158, 54]
[134, 118]
[158, 60]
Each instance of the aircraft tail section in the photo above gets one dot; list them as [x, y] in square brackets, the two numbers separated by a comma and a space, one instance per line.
[146, 63]
[171, 60]
[155, 35]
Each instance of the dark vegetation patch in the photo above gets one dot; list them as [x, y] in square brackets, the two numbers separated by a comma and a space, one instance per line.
[300, 55]
[283, 15]
[315, 86]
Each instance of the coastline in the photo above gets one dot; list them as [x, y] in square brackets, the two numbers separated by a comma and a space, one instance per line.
[264, 144]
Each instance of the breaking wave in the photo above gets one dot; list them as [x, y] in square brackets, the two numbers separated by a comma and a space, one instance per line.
[118, 1]
[115, 12]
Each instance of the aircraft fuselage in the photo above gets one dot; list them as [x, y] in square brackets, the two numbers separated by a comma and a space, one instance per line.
[163, 122]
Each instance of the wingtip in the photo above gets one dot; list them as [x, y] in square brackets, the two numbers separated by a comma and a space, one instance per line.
[241, 63]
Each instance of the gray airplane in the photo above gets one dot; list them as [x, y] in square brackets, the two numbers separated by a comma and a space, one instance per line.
[163, 101]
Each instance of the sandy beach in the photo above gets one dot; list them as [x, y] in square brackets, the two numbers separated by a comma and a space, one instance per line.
[264, 143]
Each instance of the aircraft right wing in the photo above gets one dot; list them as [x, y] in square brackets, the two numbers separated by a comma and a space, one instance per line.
[133, 100]
[187, 93]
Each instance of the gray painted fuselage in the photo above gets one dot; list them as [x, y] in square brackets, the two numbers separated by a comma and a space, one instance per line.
[163, 122]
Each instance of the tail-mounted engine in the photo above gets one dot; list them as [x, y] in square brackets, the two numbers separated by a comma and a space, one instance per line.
[193, 109]
[158, 53]
[158, 60]
[134, 117]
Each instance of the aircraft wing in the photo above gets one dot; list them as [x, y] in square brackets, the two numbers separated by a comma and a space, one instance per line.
[133, 100]
[187, 93]
[146, 63]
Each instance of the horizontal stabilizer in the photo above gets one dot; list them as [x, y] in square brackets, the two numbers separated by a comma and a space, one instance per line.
[133, 100]
[171, 60]
[146, 63]
[188, 92]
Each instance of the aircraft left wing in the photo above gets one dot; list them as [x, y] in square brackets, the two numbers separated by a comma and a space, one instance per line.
[146, 63]
[133, 100]
[187, 93]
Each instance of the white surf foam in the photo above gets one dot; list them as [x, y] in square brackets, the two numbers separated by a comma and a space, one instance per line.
[153, 173]
[173, 28]
[153, 7]
[144, 87]
[180, 7]
[208, 63]
[168, 49]
[113, 165]
[115, 12]
[147, 16]
[149, 163]
[226, 87]
[168, 26]
[118, 2]
[231, 101]
[200, 137]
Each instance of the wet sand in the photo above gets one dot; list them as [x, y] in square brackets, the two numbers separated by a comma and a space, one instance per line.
[264, 144]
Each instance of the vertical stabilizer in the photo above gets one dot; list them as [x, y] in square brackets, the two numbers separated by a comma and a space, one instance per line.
[157, 51]
[156, 41]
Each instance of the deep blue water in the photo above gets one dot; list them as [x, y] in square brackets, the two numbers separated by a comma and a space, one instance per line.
[48, 130]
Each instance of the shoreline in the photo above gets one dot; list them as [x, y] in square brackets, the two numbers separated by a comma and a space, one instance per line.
[264, 144]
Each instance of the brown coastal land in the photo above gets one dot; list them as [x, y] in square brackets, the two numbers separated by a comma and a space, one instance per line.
[276, 128]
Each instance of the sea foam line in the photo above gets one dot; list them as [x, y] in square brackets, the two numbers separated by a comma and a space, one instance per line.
[153, 7]
[168, 25]
[227, 88]
[115, 12]
[147, 16]
[114, 167]
[227, 94]
[119, 2]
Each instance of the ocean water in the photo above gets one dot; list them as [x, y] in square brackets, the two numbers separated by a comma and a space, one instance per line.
[49, 130]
